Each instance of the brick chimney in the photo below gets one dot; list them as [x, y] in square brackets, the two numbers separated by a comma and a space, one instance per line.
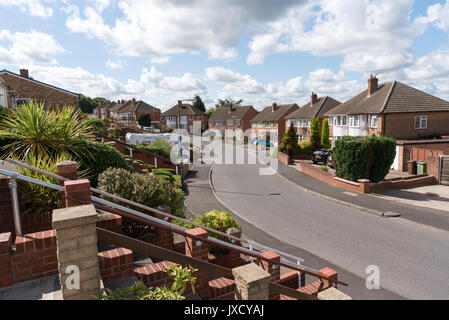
[274, 106]
[118, 101]
[230, 107]
[24, 73]
[107, 113]
[313, 98]
[372, 84]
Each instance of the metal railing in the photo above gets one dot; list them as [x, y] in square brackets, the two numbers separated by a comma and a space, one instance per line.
[145, 218]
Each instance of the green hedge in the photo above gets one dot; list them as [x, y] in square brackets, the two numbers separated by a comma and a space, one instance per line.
[364, 158]
[102, 157]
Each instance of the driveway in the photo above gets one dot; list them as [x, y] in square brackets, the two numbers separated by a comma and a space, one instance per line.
[412, 258]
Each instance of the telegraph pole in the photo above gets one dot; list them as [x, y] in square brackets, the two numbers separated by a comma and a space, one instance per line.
[180, 142]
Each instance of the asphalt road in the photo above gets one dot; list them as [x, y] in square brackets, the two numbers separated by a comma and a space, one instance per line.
[413, 258]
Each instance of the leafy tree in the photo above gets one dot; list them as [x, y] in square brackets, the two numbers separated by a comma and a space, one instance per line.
[97, 125]
[87, 104]
[144, 120]
[289, 143]
[199, 104]
[325, 134]
[315, 133]
[209, 112]
[226, 103]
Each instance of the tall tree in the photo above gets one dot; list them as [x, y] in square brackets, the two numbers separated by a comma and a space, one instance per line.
[289, 143]
[315, 133]
[87, 104]
[209, 112]
[227, 102]
[325, 134]
[198, 103]
[144, 120]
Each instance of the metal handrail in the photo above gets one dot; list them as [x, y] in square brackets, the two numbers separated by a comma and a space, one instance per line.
[234, 239]
[149, 219]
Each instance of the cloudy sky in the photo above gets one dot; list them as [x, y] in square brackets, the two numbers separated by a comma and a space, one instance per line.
[258, 50]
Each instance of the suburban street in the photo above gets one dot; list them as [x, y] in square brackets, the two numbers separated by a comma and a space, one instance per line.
[412, 257]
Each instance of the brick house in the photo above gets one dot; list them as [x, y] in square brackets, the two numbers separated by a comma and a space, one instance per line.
[302, 118]
[125, 113]
[235, 118]
[189, 114]
[22, 88]
[391, 109]
[271, 120]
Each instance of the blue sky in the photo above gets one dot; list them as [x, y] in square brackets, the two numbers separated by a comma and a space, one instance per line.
[258, 50]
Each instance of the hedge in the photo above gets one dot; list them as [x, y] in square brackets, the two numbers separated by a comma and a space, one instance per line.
[364, 157]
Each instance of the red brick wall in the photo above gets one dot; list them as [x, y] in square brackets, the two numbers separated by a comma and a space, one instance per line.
[116, 263]
[401, 125]
[35, 256]
[285, 159]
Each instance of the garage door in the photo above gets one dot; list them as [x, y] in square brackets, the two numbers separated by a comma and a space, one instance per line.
[445, 170]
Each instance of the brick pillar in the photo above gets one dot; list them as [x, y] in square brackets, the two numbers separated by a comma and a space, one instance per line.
[164, 236]
[328, 272]
[272, 268]
[79, 189]
[5, 259]
[76, 237]
[251, 282]
[364, 185]
[66, 169]
[233, 259]
[199, 250]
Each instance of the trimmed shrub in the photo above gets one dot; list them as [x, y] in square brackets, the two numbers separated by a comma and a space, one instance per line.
[364, 158]
[102, 157]
[305, 147]
[383, 152]
[218, 220]
[145, 189]
[315, 133]
[325, 134]
[160, 147]
[289, 144]
[144, 120]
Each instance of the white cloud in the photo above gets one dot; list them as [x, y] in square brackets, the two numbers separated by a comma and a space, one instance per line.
[434, 65]
[379, 31]
[32, 7]
[25, 48]
[118, 64]
[164, 27]
[438, 15]
[234, 82]
[160, 60]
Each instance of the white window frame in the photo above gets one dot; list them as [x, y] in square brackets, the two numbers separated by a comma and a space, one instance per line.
[354, 121]
[422, 119]
[373, 121]
[211, 123]
[330, 121]
[229, 122]
[237, 122]
[218, 123]
[302, 123]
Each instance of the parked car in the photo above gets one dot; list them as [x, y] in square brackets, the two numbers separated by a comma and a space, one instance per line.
[321, 156]
[264, 142]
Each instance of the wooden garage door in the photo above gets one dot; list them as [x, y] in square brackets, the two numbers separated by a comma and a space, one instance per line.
[445, 170]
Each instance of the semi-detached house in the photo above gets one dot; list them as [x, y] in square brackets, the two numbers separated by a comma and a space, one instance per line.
[316, 108]
[230, 121]
[391, 109]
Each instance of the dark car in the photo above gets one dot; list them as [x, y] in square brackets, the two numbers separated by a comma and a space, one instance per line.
[321, 156]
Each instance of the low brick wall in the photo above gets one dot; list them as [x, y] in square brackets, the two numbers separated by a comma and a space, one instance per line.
[34, 256]
[222, 288]
[284, 158]
[153, 275]
[363, 185]
[116, 263]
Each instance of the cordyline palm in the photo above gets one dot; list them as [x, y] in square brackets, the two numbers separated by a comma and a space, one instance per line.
[32, 131]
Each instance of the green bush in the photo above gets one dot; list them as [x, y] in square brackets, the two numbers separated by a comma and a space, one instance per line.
[101, 157]
[169, 129]
[218, 220]
[289, 144]
[145, 189]
[160, 147]
[325, 142]
[364, 158]
[144, 120]
[305, 147]
[97, 125]
[315, 133]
